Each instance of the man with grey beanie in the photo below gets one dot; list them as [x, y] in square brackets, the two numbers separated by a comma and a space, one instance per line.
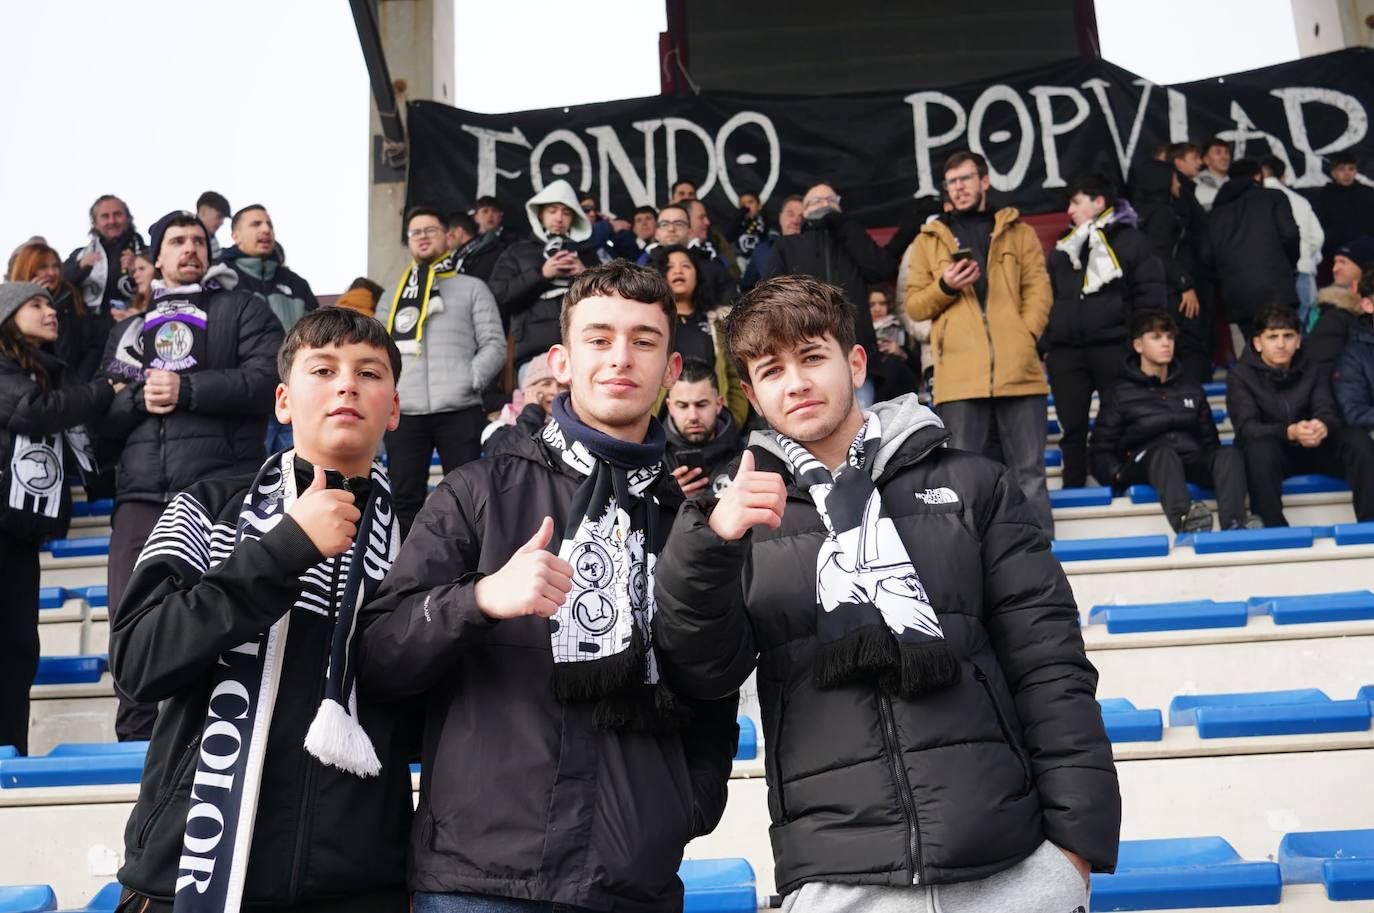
[200, 364]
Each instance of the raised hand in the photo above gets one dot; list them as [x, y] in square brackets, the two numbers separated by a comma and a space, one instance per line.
[327, 515]
[533, 582]
[753, 499]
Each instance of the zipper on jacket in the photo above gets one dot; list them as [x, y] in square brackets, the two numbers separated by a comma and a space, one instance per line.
[894, 757]
[992, 356]
[303, 816]
[1006, 730]
[161, 805]
[162, 460]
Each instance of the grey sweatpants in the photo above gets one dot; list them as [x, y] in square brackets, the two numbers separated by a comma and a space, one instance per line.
[1044, 882]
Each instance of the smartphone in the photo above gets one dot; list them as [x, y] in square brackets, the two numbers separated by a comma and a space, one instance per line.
[962, 253]
[691, 458]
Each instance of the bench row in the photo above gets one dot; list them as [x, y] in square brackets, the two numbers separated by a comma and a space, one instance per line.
[1233, 540]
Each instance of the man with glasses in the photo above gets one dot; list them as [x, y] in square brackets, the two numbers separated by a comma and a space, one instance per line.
[980, 276]
[836, 249]
[448, 329]
[674, 228]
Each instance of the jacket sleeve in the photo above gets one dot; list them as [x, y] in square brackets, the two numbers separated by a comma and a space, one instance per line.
[425, 613]
[1207, 426]
[1104, 446]
[1162, 230]
[515, 287]
[874, 262]
[701, 631]
[1287, 227]
[27, 409]
[489, 337]
[710, 741]
[1246, 417]
[1036, 293]
[73, 271]
[248, 388]
[1324, 402]
[777, 262]
[1149, 291]
[178, 614]
[1033, 627]
[924, 298]
[1352, 389]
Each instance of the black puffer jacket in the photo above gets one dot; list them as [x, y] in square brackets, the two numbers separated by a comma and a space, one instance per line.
[320, 833]
[1263, 401]
[519, 288]
[28, 410]
[220, 420]
[864, 789]
[1103, 318]
[1252, 244]
[522, 796]
[1144, 411]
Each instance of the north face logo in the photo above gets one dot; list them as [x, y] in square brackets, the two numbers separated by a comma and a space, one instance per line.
[937, 496]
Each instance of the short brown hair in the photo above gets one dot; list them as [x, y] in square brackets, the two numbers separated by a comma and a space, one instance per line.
[964, 155]
[336, 326]
[622, 279]
[784, 312]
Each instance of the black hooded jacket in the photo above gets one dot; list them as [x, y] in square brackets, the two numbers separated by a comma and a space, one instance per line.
[1145, 412]
[1263, 401]
[1163, 220]
[1252, 244]
[520, 289]
[220, 420]
[1103, 317]
[522, 796]
[863, 788]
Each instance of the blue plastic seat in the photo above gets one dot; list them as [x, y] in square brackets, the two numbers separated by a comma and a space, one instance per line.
[1124, 723]
[101, 508]
[30, 898]
[8, 751]
[1146, 494]
[104, 901]
[76, 765]
[51, 597]
[1353, 533]
[1170, 616]
[1262, 713]
[718, 886]
[1251, 540]
[1184, 872]
[96, 595]
[1092, 496]
[1052, 426]
[1054, 457]
[1365, 694]
[1214, 388]
[96, 749]
[1313, 484]
[748, 748]
[1121, 547]
[1342, 861]
[1353, 605]
[83, 547]
[1218, 415]
[71, 670]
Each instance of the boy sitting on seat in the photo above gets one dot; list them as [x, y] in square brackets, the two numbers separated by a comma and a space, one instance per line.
[1157, 427]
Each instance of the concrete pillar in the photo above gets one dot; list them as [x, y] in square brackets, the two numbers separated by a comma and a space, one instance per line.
[417, 36]
[1323, 26]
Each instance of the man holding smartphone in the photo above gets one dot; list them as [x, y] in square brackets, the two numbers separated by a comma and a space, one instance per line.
[703, 438]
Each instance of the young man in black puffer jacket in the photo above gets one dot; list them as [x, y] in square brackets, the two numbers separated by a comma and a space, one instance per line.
[1158, 428]
[1103, 271]
[927, 703]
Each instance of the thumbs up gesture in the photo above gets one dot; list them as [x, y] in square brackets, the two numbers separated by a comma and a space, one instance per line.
[533, 582]
[327, 516]
[754, 498]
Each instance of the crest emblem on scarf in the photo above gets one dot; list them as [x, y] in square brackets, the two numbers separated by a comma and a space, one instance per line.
[38, 471]
[173, 341]
[406, 319]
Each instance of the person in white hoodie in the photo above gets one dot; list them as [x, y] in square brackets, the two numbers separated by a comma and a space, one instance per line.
[533, 274]
[1311, 237]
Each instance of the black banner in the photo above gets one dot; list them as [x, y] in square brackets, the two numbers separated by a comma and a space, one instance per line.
[1038, 128]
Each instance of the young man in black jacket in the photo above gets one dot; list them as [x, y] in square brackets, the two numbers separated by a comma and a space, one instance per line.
[1157, 428]
[703, 439]
[200, 364]
[239, 619]
[557, 766]
[927, 702]
[1287, 422]
[1252, 245]
[1103, 271]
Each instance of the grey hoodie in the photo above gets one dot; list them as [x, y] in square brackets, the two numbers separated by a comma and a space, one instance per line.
[900, 419]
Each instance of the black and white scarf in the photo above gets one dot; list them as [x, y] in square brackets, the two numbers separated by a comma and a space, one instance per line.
[602, 635]
[874, 617]
[415, 299]
[244, 691]
[174, 330]
[93, 286]
[36, 472]
[1101, 264]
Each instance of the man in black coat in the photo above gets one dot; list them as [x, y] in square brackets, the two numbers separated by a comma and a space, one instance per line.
[557, 766]
[927, 704]
[703, 439]
[1173, 221]
[1157, 428]
[835, 249]
[1345, 207]
[1103, 271]
[200, 365]
[1287, 422]
[1253, 245]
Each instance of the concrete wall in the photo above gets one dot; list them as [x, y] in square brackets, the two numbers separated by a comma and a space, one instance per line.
[1330, 25]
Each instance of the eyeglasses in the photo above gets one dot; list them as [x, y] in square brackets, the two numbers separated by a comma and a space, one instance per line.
[831, 199]
[589, 209]
[960, 179]
[416, 233]
[673, 223]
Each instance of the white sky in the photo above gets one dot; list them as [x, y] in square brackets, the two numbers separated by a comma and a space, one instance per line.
[267, 101]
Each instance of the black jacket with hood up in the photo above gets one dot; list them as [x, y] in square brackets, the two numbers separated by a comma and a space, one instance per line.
[1145, 412]
[1252, 244]
[521, 796]
[865, 789]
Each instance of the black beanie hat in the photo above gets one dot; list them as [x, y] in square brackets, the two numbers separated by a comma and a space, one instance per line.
[160, 228]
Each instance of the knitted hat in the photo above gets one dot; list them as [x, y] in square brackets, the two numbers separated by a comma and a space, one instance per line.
[160, 228]
[1358, 250]
[534, 370]
[14, 294]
